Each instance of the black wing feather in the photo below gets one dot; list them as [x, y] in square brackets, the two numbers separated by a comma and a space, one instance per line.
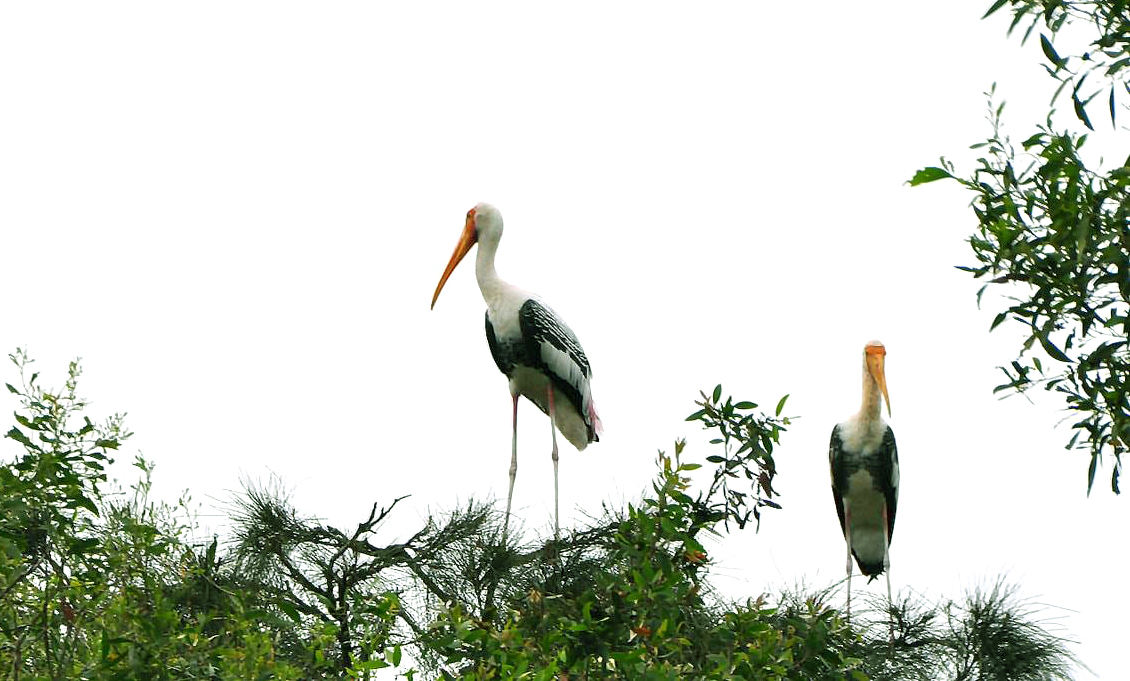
[505, 355]
[541, 325]
[888, 466]
[838, 473]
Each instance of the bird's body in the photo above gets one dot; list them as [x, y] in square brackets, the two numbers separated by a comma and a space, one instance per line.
[862, 456]
[541, 351]
[539, 354]
[863, 462]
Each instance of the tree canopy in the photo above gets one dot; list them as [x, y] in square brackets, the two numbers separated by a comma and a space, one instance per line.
[104, 583]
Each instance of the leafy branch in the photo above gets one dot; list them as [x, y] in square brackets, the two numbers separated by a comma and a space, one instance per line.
[747, 438]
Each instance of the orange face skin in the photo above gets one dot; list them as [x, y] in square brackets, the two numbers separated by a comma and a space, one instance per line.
[466, 240]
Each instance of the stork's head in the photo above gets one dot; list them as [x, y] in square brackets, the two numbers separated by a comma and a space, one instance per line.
[874, 357]
[487, 221]
[484, 223]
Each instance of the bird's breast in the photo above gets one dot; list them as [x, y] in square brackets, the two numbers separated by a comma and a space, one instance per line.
[861, 438]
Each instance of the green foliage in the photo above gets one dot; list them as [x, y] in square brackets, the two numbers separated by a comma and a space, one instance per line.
[317, 583]
[989, 634]
[629, 598]
[92, 586]
[747, 440]
[1055, 230]
[50, 558]
[117, 589]
[1106, 58]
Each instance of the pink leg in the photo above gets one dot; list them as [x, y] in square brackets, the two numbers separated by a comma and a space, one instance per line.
[887, 570]
[553, 436]
[513, 470]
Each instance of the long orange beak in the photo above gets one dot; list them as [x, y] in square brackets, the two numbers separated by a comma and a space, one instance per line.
[466, 241]
[876, 358]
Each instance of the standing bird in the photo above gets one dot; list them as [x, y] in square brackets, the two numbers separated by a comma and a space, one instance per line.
[539, 354]
[865, 475]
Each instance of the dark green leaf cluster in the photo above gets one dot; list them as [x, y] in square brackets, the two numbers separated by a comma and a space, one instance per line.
[1106, 59]
[1056, 230]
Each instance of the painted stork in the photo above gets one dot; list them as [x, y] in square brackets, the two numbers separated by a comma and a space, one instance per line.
[865, 475]
[537, 351]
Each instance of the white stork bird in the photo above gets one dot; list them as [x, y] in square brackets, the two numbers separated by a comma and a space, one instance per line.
[865, 475]
[537, 351]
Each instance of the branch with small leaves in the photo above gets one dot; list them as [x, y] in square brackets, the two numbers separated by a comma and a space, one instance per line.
[747, 438]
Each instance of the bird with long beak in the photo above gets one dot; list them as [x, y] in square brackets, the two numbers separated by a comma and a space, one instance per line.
[532, 346]
[864, 465]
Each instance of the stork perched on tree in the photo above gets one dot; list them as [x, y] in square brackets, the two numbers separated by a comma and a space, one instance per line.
[865, 475]
[537, 351]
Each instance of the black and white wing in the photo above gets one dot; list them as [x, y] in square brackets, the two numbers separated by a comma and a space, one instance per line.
[888, 461]
[553, 349]
[883, 467]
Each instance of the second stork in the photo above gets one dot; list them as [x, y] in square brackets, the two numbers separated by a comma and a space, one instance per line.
[865, 475]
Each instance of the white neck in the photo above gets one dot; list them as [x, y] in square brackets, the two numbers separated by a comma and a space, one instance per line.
[489, 282]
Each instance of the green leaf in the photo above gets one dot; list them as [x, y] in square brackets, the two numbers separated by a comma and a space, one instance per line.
[1082, 238]
[1050, 348]
[996, 5]
[1112, 106]
[697, 415]
[1080, 112]
[1073, 439]
[998, 319]
[1049, 51]
[1091, 471]
[781, 404]
[290, 611]
[745, 405]
[19, 437]
[11, 389]
[928, 174]
[717, 392]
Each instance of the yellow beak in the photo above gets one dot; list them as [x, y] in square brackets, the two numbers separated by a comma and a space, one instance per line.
[875, 362]
[466, 241]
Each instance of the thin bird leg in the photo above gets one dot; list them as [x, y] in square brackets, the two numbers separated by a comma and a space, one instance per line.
[553, 436]
[847, 536]
[513, 470]
[887, 570]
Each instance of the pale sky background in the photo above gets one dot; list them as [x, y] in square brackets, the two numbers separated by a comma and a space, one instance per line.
[236, 214]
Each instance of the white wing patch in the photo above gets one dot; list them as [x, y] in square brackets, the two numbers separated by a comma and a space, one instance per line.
[560, 363]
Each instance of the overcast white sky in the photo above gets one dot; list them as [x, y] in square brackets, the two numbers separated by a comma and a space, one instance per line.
[236, 213]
